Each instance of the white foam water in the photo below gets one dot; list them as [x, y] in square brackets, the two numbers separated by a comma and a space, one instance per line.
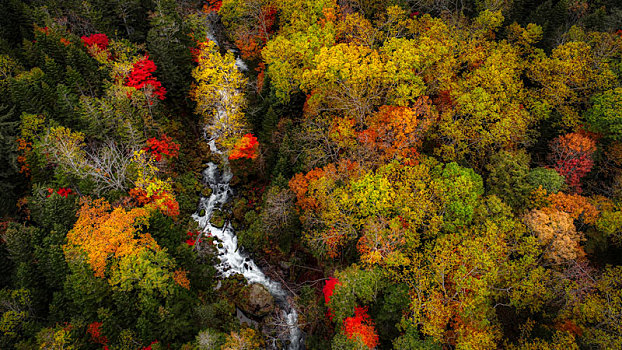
[232, 259]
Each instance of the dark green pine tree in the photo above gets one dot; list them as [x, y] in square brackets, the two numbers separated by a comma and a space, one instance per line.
[30, 93]
[15, 23]
[168, 44]
[10, 180]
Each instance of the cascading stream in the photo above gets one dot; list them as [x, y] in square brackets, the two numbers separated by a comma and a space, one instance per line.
[232, 259]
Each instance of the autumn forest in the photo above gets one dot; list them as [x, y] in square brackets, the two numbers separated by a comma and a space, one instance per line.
[310, 174]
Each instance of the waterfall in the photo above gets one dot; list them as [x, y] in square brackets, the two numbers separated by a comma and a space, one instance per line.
[232, 259]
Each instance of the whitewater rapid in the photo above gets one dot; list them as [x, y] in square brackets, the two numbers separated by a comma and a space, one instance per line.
[232, 259]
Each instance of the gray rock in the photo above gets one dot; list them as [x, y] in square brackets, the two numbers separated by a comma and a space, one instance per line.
[259, 302]
[244, 319]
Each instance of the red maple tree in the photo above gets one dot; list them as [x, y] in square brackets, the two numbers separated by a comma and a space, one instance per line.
[149, 346]
[195, 51]
[98, 40]
[165, 146]
[164, 200]
[141, 77]
[212, 6]
[192, 237]
[63, 191]
[572, 157]
[94, 330]
[44, 30]
[328, 290]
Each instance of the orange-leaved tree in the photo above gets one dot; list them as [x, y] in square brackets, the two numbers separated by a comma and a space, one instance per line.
[246, 147]
[557, 233]
[575, 205]
[328, 225]
[113, 242]
[396, 132]
[103, 232]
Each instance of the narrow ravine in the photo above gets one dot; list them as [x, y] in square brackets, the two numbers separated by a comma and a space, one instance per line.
[232, 259]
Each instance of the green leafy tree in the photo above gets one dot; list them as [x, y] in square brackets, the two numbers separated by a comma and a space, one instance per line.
[605, 116]
[168, 43]
[17, 316]
[508, 177]
[597, 311]
[548, 179]
[460, 189]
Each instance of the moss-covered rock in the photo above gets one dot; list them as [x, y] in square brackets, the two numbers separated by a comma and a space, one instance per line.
[218, 219]
[206, 191]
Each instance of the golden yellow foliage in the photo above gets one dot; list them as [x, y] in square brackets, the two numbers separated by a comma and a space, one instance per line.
[246, 339]
[149, 189]
[218, 94]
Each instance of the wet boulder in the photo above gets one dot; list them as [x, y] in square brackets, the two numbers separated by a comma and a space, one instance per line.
[257, 300]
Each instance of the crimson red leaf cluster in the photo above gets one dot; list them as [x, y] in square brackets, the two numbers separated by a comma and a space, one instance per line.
[141, 77]
[63, 191]
[361, 326]
[99, 40]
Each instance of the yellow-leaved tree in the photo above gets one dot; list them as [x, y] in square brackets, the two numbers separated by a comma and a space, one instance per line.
[219, 96]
